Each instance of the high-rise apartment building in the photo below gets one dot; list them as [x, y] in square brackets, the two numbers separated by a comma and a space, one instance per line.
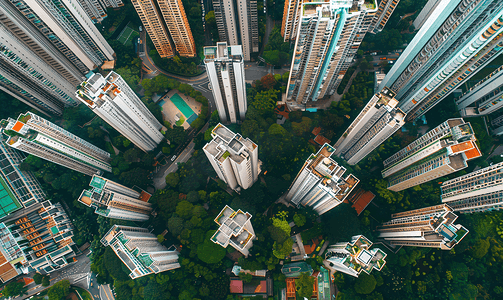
[425, 13]
[354, 257]
[478, 191]
[431, 227]
[237, 23]
[37, 136]
[116, 103]
[97, 9]
[235, 230]
[328, 38]
[46, 48]
[384, 12]
[320, 184]
[178, 26]
[458, 39]
[291, 15]
[225, 69]
[497, 125]
[166, 23]
[22, 184]
[377, 121]
[115, 201]
[234, 158]
[444, 150]
[483, 98]
[40, 240]
[140, 251]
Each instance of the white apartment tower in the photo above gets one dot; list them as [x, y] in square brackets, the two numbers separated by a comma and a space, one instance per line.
[115, 201]
[117, 104]
[46, 48]
[234, 158]
[354, 257]
[23, 184]
[483, 98]
[37, 136]
[328, 36]
[441, 151]
[377, 121]
[225, 69]
[457, 40]
[320, 184]
[237, 23]
[431, 227]
[235, 230]
[384, 12]
[97, 9]
[478, 191]
[140, 251]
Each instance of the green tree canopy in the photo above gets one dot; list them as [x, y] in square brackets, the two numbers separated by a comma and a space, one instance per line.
[365, 284]
[172, 179]
[14, 289]
[59, 290]
[304, 285]
[210, 252]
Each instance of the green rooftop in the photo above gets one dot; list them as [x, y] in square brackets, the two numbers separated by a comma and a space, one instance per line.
[8, 202]
[145, 260]
[55, 230]
[97, 183]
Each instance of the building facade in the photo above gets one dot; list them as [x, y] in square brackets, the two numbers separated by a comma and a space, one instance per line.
[291, 15]
[22, 184]
[225, 69]
[377, 121]
[354, 257]
[483, 98]
[115, 201]
[40, 240]
[320, 184]
[234, 158]
[328, 37]
[444, 150]
[97, 9]
[497, 124]
[151, 19]
[178, 26]
[37, 136]
[140, 251]
[235, 230]
[478, 191]
[46, 48]
[384, 12]
[425, 13]
[237, 23]
[166, 23]
[458, 39]
[431, 227]
[116, 103]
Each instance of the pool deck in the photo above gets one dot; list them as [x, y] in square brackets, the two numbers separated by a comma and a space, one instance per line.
[169, 110]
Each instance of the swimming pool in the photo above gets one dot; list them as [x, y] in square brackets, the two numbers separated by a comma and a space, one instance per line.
[182, 105]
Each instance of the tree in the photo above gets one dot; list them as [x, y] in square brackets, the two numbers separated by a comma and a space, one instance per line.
[210, 252]
[210, 18]
[480, 248]
[184, 209]
[304, 285]
[172, 179]
[265, 101]
[59, 290]
[344, 218]
[299, 220]
[160, 238]
[14, 289]
[268, 81]
[176, 134]
[246, 277]
[365, 284]
[38, 278]
[46, 281]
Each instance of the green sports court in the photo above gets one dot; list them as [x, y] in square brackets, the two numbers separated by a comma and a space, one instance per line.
[8, 202]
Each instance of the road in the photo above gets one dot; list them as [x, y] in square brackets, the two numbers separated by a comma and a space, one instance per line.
[76, 273]
[106, 293]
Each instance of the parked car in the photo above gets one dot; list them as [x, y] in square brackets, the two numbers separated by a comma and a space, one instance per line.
[373, 53]
[173, 158]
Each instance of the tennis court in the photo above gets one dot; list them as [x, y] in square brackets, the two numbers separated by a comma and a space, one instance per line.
[126, 34]
[8, 202]
[181, 105]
